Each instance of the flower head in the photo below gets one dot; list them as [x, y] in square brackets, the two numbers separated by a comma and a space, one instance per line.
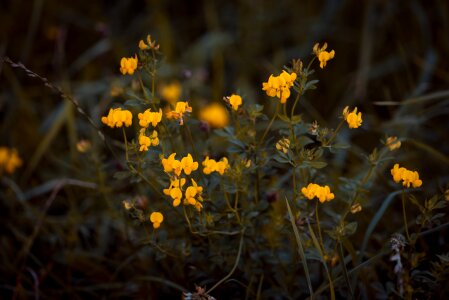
[9, 160]
[353, 118]
[322, 55]
[215, 115]
[235, 101]
[181, 108]
[156, 218]
[175, 190]
[151, 44]
[188, 165]
[128, 65]
[211, 165]
[117, 117]
[283, 145]
[193, 195]
[408, 177]
[323, 193]
[147, 141]
[148, 117]
[171, 92]
[279, 86]
[393, 143]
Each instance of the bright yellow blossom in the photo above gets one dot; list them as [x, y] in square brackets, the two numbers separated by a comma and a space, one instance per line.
[128, 65]
[171, 92]
[215, 115]
[117, 117]
[392, 143]
[353, 118]
[323, 193]
[211, 165]
[9, 160]
[193, 195]
[147, 141]
[235, 101]
[151, 44]
[174, 190]
[181, 108]
[322, 55]
[171, 164]
[279, 86]
[188, 165]
[149, 117]
[156, 218]
[408, 177]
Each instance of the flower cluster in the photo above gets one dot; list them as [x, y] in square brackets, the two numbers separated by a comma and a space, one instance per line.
[128, 65]
[211, 165]
[353, 118]
[408, 177]
[171, 92]
[9, 160]
[156, 218]
[322, 55]
[215, 115]
[393, 143]
[181, 108]
[234, 100]
[117, 117]
[148, 117]
[193, 193]
[149, 45]
[279, 86]
[283, 145]
[147, 141]
[323, 193]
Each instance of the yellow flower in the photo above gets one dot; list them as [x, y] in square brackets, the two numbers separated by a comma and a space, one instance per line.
[193, 195]
[392, 143]
[222, 166]
[235, 101]
[209, 165]
[279, 86]
[322, 55]
[181, 108]
[174, 190]
[188, 165]
[408, 177]
[283, 145]
[156, 218]
[148, 117]
[323, 193]
[146, 141]
[9, 160]
[215, 115]
[353, 118]
[170, 164]
[117, 117]
[128, 65]
[150, 45]
[171, 92]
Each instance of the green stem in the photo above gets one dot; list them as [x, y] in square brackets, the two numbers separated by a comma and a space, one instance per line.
[126, 144]
[334, 134]
[405, 216]
[270, 124]
[319, 227]
[345, 271]
[233, 268]
[294, 105]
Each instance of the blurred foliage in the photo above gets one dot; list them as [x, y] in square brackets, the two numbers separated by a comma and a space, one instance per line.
[64, 232]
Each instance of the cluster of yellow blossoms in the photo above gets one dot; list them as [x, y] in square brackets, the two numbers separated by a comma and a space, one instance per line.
[181, 108]
[322, 55]
[408, 177]
[9, 160]
[393, 143]
[147, 141]
[117, 118]
[323, 193]
[128, 65]
[353, 118]
[279, 86]
[192, 195]
[211, 165]
[149, 117]
[156, 218]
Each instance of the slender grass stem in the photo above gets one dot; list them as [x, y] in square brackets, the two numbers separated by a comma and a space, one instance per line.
[345, 271]
[319, 226]
[270, 124]
[334, 134]
[126, 144]
[404, 214]
[239, 253]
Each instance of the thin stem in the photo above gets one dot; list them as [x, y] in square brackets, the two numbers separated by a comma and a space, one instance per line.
[334, 134]
[405, 216]
[294, 105]
[126, 144]
[319, 226]
[345, 271]
[270, 124]
[233, 268]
